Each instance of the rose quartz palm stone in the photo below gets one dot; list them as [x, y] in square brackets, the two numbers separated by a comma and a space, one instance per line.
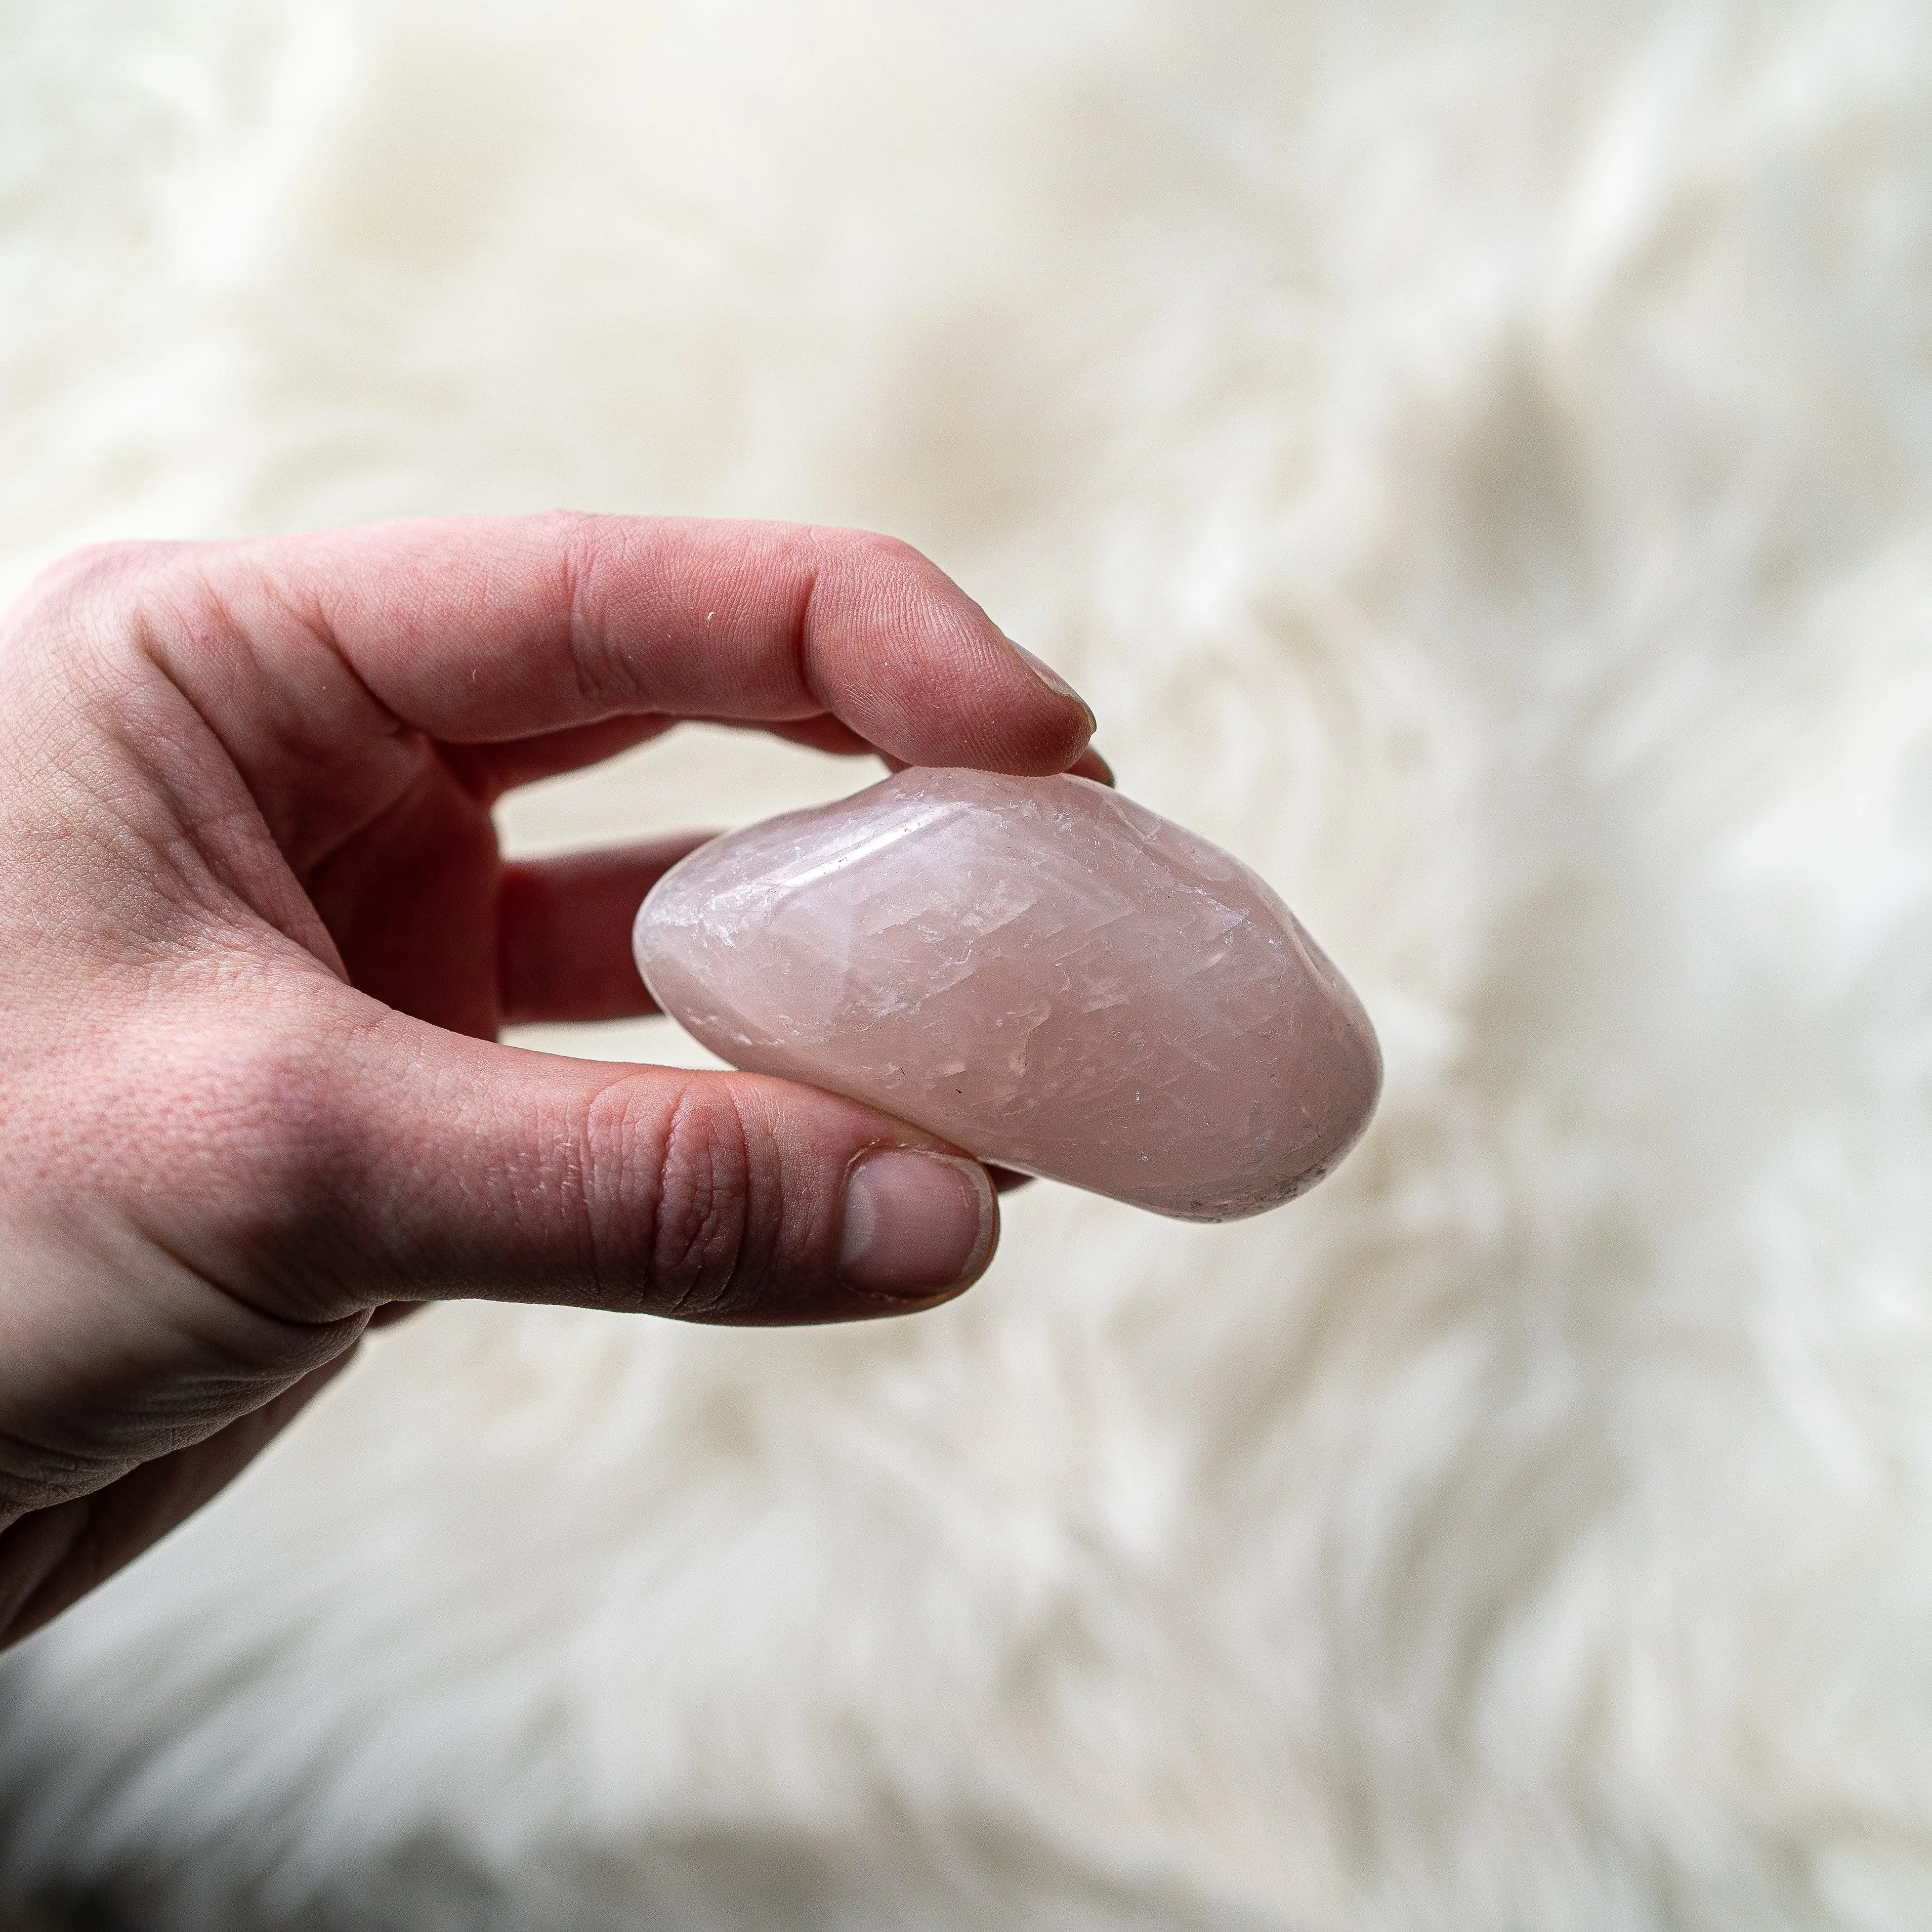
[1048, 975]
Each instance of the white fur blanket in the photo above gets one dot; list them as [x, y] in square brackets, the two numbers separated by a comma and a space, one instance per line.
[1478, 458]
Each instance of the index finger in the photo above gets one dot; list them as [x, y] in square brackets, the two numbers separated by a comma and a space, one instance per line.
[483, 630]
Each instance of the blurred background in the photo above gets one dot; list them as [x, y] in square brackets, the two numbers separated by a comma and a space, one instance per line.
[1477, 458]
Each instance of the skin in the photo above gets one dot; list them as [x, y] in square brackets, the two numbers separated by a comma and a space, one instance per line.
[261, 939]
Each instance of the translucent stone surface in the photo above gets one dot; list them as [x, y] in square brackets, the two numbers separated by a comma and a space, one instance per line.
[1052, 977]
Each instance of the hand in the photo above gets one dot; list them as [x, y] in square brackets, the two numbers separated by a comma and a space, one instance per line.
[258, 939]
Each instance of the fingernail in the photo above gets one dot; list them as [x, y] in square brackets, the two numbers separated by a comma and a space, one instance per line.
[916, 1224]
[1054, 683]
[1090, 764]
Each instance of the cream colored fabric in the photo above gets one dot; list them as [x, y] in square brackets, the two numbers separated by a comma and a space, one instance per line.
[1477, 459]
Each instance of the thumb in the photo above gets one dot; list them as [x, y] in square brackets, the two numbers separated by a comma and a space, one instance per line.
[414, 1164]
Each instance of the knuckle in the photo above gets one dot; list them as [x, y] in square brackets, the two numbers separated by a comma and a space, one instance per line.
[110, 575]
[845, 575]
[700, 1228]
[90, 616]
[685, 1221]
[606, 674]
[868, 552]
[112, 562]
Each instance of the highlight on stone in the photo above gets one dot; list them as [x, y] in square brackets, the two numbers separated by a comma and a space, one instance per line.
[1052, 977]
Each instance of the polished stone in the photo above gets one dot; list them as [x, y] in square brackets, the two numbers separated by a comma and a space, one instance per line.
[1053, 978]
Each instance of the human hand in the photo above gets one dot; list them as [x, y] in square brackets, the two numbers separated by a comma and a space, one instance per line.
[260, 940]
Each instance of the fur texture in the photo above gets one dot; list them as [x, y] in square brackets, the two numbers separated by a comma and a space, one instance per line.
[1477, 459]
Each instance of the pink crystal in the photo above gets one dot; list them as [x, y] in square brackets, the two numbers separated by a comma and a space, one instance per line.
[1050, 975]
